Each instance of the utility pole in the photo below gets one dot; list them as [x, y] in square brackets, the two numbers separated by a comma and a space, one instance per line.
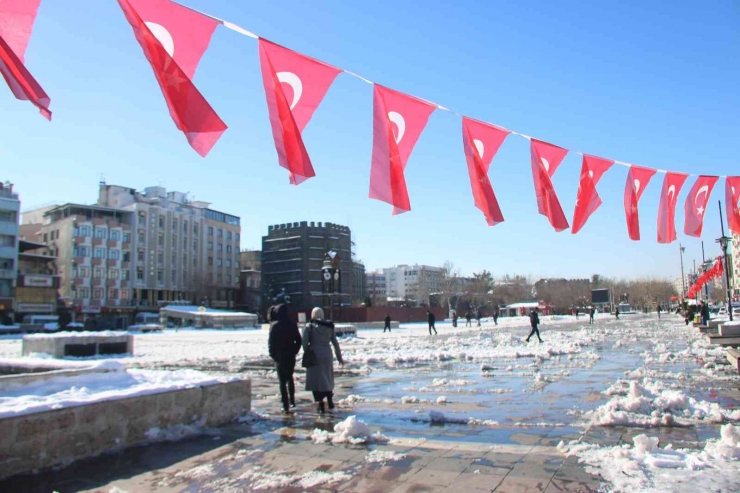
[683, 277]
[723, 240]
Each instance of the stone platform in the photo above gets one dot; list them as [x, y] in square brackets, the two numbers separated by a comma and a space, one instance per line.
[729, 330]
[733, 356]
[79, 344]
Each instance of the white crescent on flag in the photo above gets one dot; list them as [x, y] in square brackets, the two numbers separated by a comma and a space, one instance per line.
[479, 146]
[295, 83]
[672, 192]
[636, 184]
[397, 118]
[703, 190]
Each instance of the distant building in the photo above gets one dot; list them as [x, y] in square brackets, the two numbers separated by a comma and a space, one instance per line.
[359, 290]
[413, 283]
[136, 250]
[292, 261]
[10, 207]
[250, 282]
[38, 282]
[376, 287]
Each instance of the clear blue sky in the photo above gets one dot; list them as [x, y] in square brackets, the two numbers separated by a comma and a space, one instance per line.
[653, 83]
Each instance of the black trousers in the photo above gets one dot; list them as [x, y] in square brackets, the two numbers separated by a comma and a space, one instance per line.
[285, 367]
[535, 330]
[388, 326]
[319, 396]
[432, 328]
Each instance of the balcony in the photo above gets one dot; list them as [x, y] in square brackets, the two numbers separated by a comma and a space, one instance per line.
[125, 265]
[79, 281]
[95, 302]
[126, 245]
[80, 240]
[112, 243]
[97, 261]
[112, 283]
[111, 262]
[97, 241]
[7, 274]
[97, 281]
[112, 303]
[79, 260]
[124, 284]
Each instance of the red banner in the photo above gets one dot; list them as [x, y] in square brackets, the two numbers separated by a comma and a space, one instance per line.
[545, 161]
[587, 199]
[672, 184]
[732, 199]
[637, 180]
[696, 205]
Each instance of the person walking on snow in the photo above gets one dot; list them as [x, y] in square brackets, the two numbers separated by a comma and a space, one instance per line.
[431, 320]
[659, 312]
[387, 324]
[477, 317]
[534, 321]
[468, 318]
[319, 336]
[704, 313]
[591, 314]
[616, 312]
[496, 315]
[283, 344]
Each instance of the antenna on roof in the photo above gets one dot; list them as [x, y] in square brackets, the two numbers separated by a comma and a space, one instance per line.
[102, 179]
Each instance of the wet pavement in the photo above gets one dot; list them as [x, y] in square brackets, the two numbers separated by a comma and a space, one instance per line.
[528, 405]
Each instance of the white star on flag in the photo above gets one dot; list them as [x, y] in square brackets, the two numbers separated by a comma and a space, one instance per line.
[700, 211]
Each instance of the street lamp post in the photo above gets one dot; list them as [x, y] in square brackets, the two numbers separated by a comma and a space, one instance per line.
[723, 242]
[332, 279]
[681, 249]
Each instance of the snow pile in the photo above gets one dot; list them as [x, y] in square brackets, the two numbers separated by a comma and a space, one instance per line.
[443, 382]
[262, 479]
[351, 430]
[108, 333]
[651, 404]
[645, 467]
[383, 456]
[175, 432]
[482, 422]
[441, 400]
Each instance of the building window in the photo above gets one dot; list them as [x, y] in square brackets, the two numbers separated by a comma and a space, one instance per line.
[7, 241]
[160, 277]
[185, 226]
[125, 294]
[210, 245]
[113, 274]
[210, 260]
[228, 235]
[115, 234]
[174, 276]
[125, 274]
[195, 228]
[236, 264]
[220, 278]
[219, 247]
[140, 255]
[228, 248]
[114, 254]
[228, 279]
[142, 218]
[139, 273]
[184, 243]
[83, 292]
[127, 237]
[220, 233]
[9, 216]
[228, 263]
[101, 233]
[100, 253]
[174, 224]
[142, 239]
[160, 241]
[99, 273]
[195, 245]
[160, 258]
[174, 242]
[237, 237]
[195, 262]
[126, 257]
[210, 230]
[85, 231]
[98, 293]
[219, 262]
[161, 221]
[82, 251]
[113, 293]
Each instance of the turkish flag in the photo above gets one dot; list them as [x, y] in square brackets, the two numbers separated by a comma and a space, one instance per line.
[696, 205]
[672, 184]
[174, 39]
[545, 161]
[587, 199]
[637, 180]
[294, 85]
[398, 120]
[481, 142]
[732, 196]
[16, 23]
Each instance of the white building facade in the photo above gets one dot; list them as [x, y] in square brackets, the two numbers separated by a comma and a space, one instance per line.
[10, 207]
[406, 282]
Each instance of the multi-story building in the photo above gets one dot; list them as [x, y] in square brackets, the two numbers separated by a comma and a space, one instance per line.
[413, 283]
[37, 284]
[292, 260]
[376, 287]
[10, 207]
[358, 285]
[250, 281]
[134, 250]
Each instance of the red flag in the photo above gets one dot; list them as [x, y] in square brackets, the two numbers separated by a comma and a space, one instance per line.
[481, 142]
[696, 205]
[174, 39]
[637, 180]
[587, 199]
[545, 161]
[672, 184]
[398, 120]
[294, 85]
[16, 23]
[732, 196]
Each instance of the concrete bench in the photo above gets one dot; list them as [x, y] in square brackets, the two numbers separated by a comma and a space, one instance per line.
[724, 341]
[345, 329]
[79, 345]
[376, 325]
[733, 356]
[706, 329]
[729, 330]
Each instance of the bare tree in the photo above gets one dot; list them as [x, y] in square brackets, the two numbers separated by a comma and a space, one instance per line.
[479, 294]
[448, 294]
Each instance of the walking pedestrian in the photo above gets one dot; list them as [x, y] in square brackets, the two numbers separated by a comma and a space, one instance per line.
[534, 321]
[496, 315]
[431, 320]
[704, 312]
[659, 310]
[387, 323]
[477, 317]
[318, 337]
[468, 318]
[591, 314]
[454, 318]
[283, 345]
[616, 312]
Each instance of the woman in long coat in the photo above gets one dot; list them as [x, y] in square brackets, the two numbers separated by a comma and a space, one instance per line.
[317, 337]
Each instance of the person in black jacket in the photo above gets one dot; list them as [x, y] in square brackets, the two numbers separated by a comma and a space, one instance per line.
[534, 321]
[431, 320]
[704, 313]
[283, 344]
[387, 324]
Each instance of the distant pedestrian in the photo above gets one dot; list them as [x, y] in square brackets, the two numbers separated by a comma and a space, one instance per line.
[318, 337]
[454, 318]
[576, 310]
[616, 313]
[704, 312]
[283, 344]
[534, 321]
[468, 318]
[431, 320]
[387, 324]
[477, 317]
[496, 315]
[659, 312]
[591, 314]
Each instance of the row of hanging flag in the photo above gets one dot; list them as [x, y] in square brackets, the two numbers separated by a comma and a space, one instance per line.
[714, 272]
[174, 38]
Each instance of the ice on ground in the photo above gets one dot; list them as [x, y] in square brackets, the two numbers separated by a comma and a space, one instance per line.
[383, 456]
[644, 467]
[351, 430]
[263, 479]
[176, 432]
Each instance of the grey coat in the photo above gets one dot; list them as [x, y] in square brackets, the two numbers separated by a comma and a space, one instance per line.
[317, 336]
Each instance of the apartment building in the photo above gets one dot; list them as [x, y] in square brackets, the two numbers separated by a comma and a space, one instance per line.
[413, 282]
[292, 259]
[10, 207]
[376, 287]
[134, 249]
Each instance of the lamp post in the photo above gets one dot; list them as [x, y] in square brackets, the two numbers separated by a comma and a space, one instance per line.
[332, 276]
[682, 249]
[723, 242]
